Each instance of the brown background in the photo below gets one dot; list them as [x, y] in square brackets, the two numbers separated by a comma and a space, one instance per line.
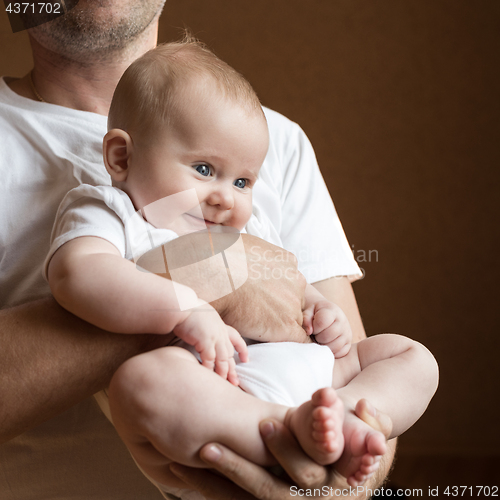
[400, 99]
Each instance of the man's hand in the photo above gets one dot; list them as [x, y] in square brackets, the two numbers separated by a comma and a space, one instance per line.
[247, 481]
[267, 307]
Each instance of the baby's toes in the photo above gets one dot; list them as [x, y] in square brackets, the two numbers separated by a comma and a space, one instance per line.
[369, 464]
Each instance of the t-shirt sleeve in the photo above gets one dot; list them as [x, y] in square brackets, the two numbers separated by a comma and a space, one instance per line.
[83, 212]
[310, 228]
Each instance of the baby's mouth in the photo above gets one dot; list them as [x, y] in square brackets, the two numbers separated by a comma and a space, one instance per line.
[200, 221]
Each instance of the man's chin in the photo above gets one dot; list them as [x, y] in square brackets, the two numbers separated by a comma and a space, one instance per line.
[99, 27]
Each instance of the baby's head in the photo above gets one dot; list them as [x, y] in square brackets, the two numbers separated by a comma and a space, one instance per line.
[181, 119]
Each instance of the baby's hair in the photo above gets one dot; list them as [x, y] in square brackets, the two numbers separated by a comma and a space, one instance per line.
[145, 97]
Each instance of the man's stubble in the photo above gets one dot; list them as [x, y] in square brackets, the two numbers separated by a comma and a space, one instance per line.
[101, 28]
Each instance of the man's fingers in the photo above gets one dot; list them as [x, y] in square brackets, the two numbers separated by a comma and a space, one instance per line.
[209, 485]
[301, 469]
[374, 418]
[253, 479]
[296, 333]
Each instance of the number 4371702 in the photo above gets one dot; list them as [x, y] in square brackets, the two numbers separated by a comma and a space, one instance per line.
[472, 491]
[34, 8]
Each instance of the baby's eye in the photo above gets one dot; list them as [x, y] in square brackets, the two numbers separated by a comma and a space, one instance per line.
[240, 183]
[203, 169]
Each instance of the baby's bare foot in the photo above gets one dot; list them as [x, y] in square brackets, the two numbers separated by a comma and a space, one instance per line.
[364, 447]
[317, 425]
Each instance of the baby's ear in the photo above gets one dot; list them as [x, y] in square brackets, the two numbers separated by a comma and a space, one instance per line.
[117, 147]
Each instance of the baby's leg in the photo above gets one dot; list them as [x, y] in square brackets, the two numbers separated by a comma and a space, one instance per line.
[166, 406]
[398, 376]
[165, 397]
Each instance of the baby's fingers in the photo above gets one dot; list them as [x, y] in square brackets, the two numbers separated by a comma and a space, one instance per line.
[343, 351]
[207, 355]
[222, 367]
[307, 319]
[208, 363]
[232, 375]
[224, 352]
[323, 319]
[339, 344]
[239, 344]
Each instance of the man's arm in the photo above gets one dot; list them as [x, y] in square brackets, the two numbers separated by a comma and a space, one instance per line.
[51, 360]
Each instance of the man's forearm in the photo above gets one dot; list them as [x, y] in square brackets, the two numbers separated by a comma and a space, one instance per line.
[339, 290]
[51, 360]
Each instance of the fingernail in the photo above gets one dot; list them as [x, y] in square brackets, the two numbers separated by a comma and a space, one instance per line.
[212, 453]
[370, 409]
[267, 428]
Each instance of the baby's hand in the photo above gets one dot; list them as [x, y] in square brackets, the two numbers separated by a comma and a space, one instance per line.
[213, 340]
[330, 326]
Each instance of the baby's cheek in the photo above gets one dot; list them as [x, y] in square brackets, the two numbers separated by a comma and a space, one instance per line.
[242, 213]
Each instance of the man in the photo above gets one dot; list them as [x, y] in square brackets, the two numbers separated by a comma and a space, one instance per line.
[52, 122]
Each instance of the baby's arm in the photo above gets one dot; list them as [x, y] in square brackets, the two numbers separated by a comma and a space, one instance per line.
[90, 278]
[327, 322]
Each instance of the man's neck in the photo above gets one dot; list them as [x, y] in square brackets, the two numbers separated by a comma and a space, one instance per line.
[85, 86]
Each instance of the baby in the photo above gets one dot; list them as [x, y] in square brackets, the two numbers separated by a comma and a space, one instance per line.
[182, 121]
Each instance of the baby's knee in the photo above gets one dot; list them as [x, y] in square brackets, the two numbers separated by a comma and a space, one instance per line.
[428, 364]
[141, 380]
[421, 357]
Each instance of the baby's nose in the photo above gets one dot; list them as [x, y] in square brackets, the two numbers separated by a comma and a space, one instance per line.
[222, 196]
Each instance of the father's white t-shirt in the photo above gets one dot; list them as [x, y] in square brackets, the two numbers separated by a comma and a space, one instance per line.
[48, 150]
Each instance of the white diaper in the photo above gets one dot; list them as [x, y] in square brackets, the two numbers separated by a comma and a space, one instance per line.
[286, 373]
